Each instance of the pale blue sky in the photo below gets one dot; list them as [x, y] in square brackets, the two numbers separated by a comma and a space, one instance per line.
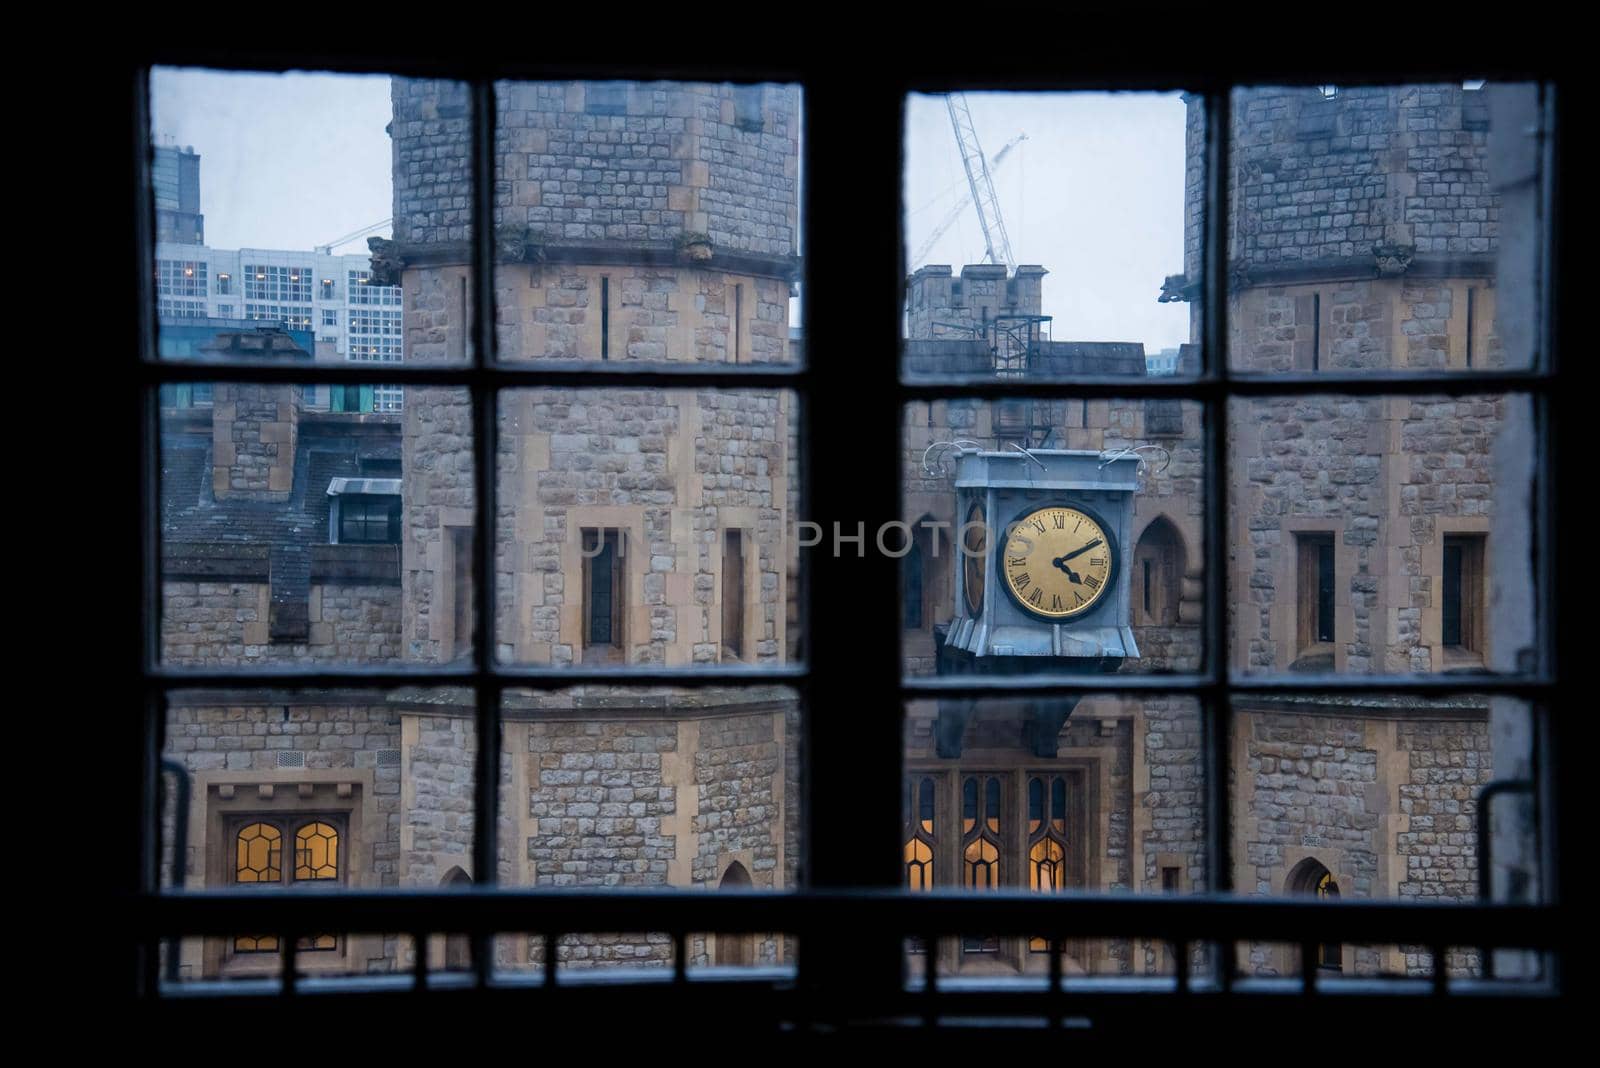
[287, 161]
[1095, 195]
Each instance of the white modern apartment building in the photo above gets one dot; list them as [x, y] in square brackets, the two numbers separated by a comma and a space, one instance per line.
[1164, 362]
[330, 296]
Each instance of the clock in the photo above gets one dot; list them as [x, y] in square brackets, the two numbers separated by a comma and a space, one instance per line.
[1058, 562]
[975, 553]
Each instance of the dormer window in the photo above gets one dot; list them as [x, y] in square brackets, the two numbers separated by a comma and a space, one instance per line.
[364, 511]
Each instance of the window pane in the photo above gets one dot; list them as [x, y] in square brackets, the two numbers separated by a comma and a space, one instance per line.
[1384, 227]
[1354, 797]
[1052, 234]
[292, 531]
[637, 526]
[643, 221]
[276, 200]
[1103, 793]
[1387, 535]
[1058, 535]
[651, 788]
[337, 789]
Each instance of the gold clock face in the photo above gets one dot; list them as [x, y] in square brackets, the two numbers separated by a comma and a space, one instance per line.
[1058, 562]
[975, 554]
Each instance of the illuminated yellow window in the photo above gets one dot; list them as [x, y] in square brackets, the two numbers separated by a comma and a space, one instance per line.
[981, 813]
[258, 854]
[258, 861]
[920, 807]
[316, 852]
[1047, 840]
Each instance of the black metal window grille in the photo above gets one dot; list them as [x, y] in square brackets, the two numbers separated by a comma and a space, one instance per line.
[854, 913]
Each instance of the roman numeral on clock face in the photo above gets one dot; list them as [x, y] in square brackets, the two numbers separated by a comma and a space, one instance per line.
[1091, 582]
[1022, 581]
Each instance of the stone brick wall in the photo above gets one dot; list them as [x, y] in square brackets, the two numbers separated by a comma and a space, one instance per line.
[249, 738]
[225, 623]
[437, 469]
[738, 775]
[1321, 179]
[1384, 800]
[1449, 762]
[439, 799]
[681, 158]
[655, 313]
[674, 470]
[597, 801]
[1381, 474]
[431, 135]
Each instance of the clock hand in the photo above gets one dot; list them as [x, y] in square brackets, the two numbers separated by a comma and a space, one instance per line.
[1061, 562]
[1081, 549]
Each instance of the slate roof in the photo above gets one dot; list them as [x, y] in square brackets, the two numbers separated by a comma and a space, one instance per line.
[281, 542]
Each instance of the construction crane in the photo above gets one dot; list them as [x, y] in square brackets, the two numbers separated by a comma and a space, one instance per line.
[327, 250]
[997, 246]
[961, 206]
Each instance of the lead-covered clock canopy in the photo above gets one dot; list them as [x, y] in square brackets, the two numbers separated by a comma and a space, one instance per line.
[1043, 537]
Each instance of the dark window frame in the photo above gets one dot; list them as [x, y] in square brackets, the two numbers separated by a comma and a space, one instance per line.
[841, 597]
[368, 504]
[605, 579]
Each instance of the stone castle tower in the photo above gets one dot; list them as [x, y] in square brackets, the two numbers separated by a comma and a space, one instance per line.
[633, 222]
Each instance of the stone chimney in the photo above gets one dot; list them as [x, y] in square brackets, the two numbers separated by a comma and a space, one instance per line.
[254, 427]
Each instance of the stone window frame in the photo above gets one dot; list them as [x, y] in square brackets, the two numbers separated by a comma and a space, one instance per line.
[1088, 771]
[1285, 613]
[1335, 860]
[1176, 562]
[617, 539]
[222, 798]
[750, 609]
[366, 503]
[1477, 528]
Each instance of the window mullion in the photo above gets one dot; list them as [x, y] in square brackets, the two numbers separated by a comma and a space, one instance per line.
[485, 407]
[1216, 708]
[853, 750]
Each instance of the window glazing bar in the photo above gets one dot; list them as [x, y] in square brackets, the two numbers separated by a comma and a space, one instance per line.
[818, 913]
[1215, 714]
[485, 455]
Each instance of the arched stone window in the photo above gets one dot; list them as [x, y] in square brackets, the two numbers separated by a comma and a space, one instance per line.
[457, 947]
[1158, 567]
[258, 861]
[734, 949]
[925, 572]
[1311, 878]
[982, 837]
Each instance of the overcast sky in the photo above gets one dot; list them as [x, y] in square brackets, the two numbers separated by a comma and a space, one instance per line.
[1094, 194]
[287, 161]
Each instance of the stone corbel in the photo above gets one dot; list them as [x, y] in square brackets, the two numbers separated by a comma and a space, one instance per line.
[518, 244]
[1238, 276]
[386, 262]
[1393, 260]
[1176, 288]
